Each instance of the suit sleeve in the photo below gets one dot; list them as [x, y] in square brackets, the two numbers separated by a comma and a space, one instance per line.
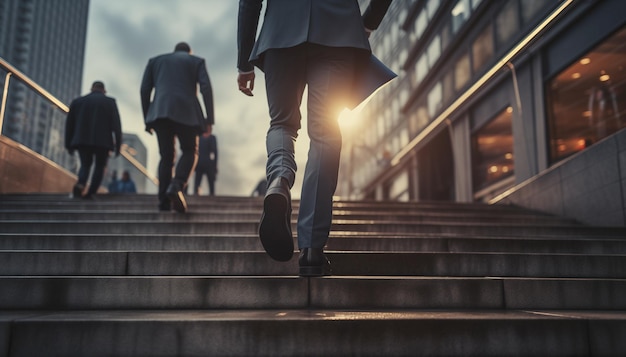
[117, 126]
[247, 23]
[70, 122]
[147, 83]
[215, 148]
[373, 15]
[207, 92]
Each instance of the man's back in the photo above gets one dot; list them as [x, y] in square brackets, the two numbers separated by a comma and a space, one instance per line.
[288, 23]
[175, 78]
[91, 120]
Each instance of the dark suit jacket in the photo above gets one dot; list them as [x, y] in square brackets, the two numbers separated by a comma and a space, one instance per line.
[93, 120]
[207, 155]
[288, 23]
[174, 78]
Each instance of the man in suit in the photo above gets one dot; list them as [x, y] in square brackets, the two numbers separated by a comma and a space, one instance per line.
[175, 112]
[207, 161]
[314, 43]
[92, 123]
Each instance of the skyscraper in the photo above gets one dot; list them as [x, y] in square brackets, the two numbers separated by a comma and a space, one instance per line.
[46, 41]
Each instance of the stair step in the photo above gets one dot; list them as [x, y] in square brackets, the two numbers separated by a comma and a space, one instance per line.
[360, 242]
[115, 277]
[69, 215]
[291, 292]
[315, 333]
[139, 263]
[211, 226]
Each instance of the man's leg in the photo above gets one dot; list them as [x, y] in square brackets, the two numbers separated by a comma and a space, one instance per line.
[188, 140]
[102, 156]
[329, 76]
[165, 138]
[86, 160]
[284, 80]
[211, 180]
[197, 181]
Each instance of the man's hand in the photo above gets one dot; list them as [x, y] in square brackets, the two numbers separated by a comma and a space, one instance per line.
[246, 83]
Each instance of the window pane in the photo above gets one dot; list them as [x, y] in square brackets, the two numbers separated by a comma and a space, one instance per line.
[432, 7]
[587, 99]
[475, 3]
[492, 151]
[507, 22]
[530, 8]
[462, 72]
[448, 86]
[482, 48]
[434, 51]
[434, 100]
[460, 14]
[421, 68]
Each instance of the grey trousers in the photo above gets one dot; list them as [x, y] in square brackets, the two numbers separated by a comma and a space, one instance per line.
[328, 74]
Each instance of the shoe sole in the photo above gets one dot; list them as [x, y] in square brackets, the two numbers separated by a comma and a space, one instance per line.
[178, 202]
[275, 237]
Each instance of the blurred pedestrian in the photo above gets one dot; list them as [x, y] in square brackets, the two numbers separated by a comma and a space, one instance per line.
[93, 128]
[174, 112]
[207, 161]
[112, 187]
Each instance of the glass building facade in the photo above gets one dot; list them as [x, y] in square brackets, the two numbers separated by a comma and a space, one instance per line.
[46, 41]
[490, 95]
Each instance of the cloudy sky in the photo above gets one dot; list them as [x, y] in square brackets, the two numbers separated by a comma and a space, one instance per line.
[123, 34]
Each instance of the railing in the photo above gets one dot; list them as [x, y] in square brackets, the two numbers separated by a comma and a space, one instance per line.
[14, 72]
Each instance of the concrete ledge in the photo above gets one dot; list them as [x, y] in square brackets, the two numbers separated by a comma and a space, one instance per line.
[589, 186]
[24, 171]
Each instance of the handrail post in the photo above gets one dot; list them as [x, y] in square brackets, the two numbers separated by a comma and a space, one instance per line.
[5, 95]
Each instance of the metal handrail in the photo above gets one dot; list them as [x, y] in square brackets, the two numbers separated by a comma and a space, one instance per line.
[12, 71]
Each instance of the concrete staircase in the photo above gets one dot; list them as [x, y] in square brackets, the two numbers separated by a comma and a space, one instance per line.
[114, 277]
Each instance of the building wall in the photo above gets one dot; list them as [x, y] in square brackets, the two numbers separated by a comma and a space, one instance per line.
[589, 187]
[119, 164]
[46, 41]
[585, 183]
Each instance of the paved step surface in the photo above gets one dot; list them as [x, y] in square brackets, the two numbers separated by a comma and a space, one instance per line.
[114, 277]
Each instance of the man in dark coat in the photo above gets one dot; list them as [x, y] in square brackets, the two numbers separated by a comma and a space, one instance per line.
[93, 128]
[207, 162]
[175, 112]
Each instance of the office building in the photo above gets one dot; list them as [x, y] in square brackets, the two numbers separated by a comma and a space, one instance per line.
[133, 145]
[46, 41]
[516, 101]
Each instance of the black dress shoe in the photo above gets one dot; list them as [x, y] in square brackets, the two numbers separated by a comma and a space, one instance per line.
[77, 191]
[175, 193]
[275, 227]
[313, 262]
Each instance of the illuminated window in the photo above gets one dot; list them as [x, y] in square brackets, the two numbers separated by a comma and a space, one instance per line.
[586, 101]
[482, 48]
[460, 14]
[507, 22]
[492, 151]
[462, 72]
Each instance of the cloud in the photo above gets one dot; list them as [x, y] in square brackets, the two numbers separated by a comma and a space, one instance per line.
[123, 35]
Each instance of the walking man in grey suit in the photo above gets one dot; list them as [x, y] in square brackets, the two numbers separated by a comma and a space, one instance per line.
[92, 123]
[175, 112]
[314, 43]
